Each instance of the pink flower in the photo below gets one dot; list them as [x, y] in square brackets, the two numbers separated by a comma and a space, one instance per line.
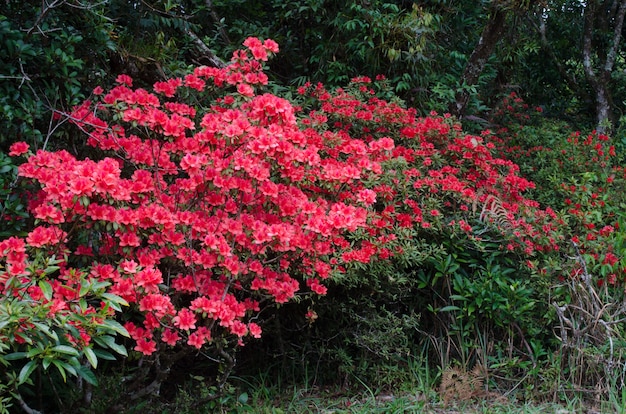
[196, 340]
[316, 286]
[170, 337]
[245, 89]
[124, 80]
[168, 88]
[145, 346]
[311, 316]
[256, 47]
[129, 266]
[157, 303]
[239, 328]
[255, 330]
[42, 236]
[366, 196]
[18, 149]
[270, 45]
[185, 319]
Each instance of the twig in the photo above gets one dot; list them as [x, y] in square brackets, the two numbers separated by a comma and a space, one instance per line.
[213, 59]
[45, 9]
[218, 22]
[25, 406]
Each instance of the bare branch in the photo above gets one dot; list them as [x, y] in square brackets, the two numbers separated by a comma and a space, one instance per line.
[45, 9]
[617, 34]
[218, 22]
[205, 50]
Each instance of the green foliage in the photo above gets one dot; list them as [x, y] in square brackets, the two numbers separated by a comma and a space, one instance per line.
[38, 338]
[456, 297]
[582, 177]
[13, 215]
[51, 53]
[332, 42]
[489, 307]
[150, 40]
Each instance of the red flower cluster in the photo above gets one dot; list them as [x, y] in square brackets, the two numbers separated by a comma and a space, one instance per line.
[437, 177]
[199, 213]
[232, 202]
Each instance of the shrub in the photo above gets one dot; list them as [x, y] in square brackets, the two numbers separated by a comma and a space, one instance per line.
[201, 216]
[451, 253]
[582, 177]
[52, 316]
[213, 202]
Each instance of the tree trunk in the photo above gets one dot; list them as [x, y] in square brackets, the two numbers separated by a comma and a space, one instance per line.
[600, 78]
[491, 34]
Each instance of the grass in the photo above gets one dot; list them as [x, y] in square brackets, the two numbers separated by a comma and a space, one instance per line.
[271, 401]
[418, 390]
[264, 394]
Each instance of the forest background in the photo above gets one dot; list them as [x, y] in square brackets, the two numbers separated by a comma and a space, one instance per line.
[476, 251]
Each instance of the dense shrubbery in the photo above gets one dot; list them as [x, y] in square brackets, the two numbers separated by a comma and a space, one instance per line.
[582, 177]
[209, 203]
[51, 55]
[456, 260]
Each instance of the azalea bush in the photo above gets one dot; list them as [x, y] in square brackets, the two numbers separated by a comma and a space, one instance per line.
[207, 202]
[581, 175]
[452, 253]
[199, 216]
[54, 319]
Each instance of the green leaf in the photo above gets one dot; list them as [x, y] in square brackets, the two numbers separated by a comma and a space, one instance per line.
[102, 354]
[50, 269]
[64, 349]
[61, 368]
[449, 308]
[88, 375]
[26, 371]
[33, 352]
[114, 298]
[91, 357]
[46, 329]
[85, 287]
[117, 327]
[107, 341]
[46, 289]
[15, 355]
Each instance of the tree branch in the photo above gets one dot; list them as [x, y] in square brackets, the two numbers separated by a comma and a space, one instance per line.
[490, 36]
[25, 406]
[617, 34]
[205, 50]
[587, 37]
[218, 22]
[45, 9]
